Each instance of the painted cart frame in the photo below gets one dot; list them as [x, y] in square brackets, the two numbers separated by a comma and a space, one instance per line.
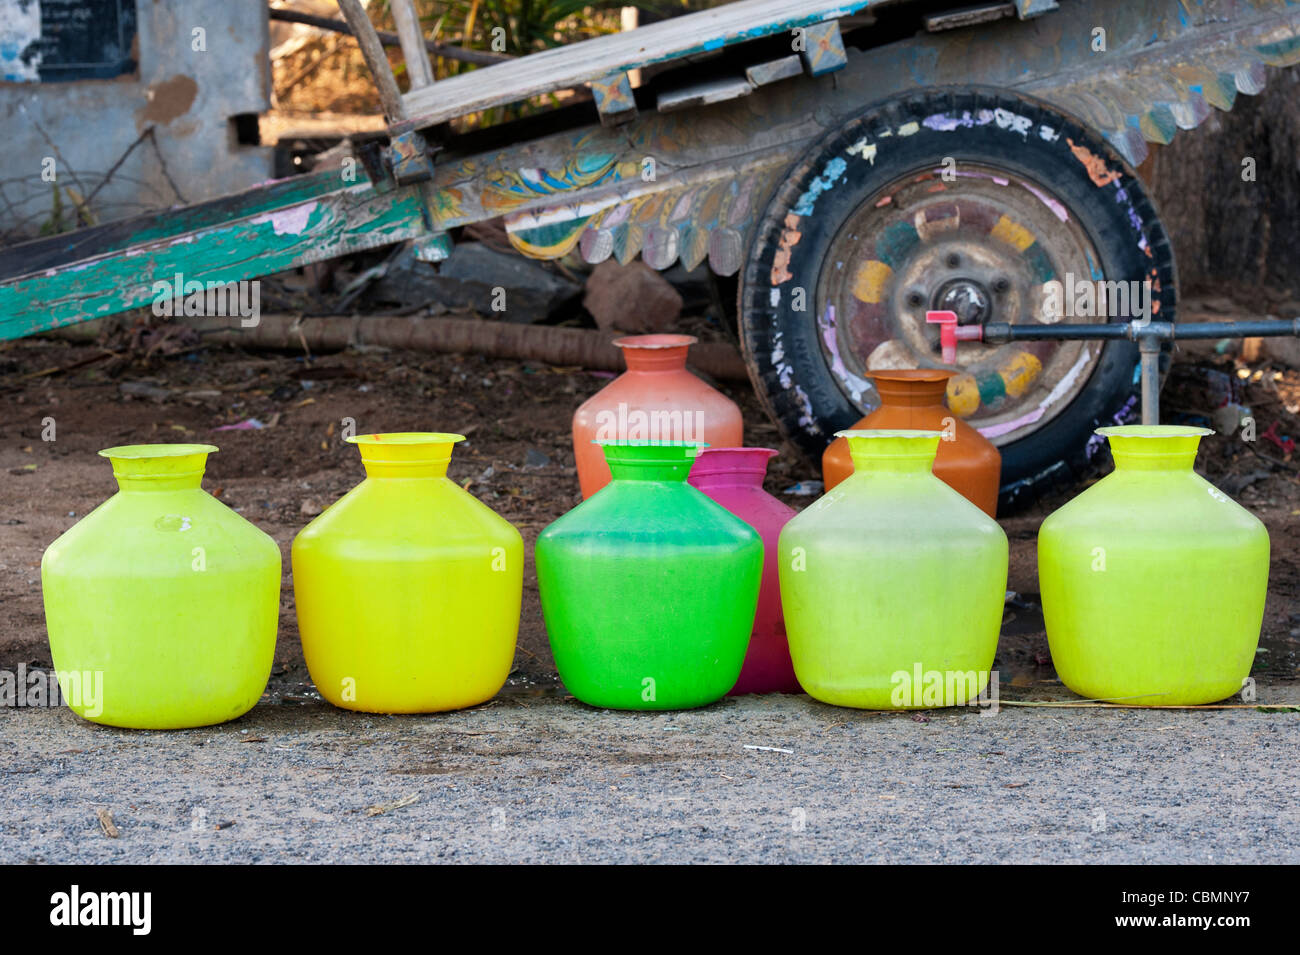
[683, 167]
[1168, 63]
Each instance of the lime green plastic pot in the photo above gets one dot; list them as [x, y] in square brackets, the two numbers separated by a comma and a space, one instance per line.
[648, 587]
[893, 583]
[162, 596]
[1153, 580]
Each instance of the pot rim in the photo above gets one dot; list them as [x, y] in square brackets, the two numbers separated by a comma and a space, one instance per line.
[655, 341]
[143, 452]
[405, 438]
[1154, 431]
[889, 433]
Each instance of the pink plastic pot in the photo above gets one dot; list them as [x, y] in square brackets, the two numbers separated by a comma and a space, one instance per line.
[733, 477]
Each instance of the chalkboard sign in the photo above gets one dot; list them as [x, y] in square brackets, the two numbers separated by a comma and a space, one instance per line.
[71, 40]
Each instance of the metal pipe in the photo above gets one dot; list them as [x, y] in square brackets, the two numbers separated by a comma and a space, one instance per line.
[1150, 337]
[1149, 348]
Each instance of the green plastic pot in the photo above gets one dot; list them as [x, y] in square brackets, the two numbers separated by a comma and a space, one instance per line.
[648, 587]
[1153, 580]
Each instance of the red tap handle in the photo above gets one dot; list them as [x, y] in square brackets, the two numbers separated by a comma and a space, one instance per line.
[947, 322]
[950, 333]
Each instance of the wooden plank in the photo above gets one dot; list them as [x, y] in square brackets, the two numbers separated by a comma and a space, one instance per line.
[580, 63]
[761, 74]
[968, 16]
[418, 68]
[701, 94]
[346, 221]
[56, 251]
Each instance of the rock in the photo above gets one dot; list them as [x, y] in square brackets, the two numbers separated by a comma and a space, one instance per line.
[631, 298]
[1282, 351]
[535, 459]
[310, 508]
[143, 389]
[498, 285]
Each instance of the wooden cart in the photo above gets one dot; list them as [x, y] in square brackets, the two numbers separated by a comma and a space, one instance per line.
[854, 165]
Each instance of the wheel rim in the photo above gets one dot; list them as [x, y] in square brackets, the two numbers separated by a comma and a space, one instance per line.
[981, 242]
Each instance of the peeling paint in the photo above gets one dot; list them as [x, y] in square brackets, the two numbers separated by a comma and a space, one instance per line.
[863, 149]
[290, 221]
[832, 174]
[1095, 165]
[790, 237]
[830, 338]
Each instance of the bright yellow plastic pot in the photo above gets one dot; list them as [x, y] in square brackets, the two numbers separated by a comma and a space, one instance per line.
[893, 583]
[163, 598]
[1153, 580]
[408, 588]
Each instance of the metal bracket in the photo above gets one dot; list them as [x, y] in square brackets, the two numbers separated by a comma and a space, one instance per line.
[375, 162]
[434, 247]
[614, 99]
[1028, 9]
[823, 50]
[408, 157]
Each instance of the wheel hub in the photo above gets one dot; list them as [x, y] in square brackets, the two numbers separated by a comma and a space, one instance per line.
[983, 246]
[969, 300]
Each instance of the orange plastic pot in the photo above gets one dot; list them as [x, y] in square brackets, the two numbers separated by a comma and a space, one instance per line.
[655, 400]
[913, 400]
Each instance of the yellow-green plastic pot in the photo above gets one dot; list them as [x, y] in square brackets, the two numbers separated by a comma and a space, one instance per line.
[1153, 580]
[408, 587]
[162, 603]
[893, 584]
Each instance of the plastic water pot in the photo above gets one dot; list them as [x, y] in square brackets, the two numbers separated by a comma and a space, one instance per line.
[734, 478]
[649, 588]
[164, 597]
[408, 587]
[655, 400]
[893, 583]
[1153, 580]
[914, 399]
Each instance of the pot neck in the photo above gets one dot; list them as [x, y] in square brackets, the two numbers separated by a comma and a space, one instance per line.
[920, 388]
[158, 467]
[901, 453]
[655, 353]
[730, 467]
[406, 454]
[1154, 447]
[668, 461]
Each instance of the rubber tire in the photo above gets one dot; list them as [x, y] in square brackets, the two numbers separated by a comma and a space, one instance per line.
[782, 348]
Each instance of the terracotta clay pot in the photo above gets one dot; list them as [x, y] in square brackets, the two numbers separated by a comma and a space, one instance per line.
[913, 399]
[655, 400]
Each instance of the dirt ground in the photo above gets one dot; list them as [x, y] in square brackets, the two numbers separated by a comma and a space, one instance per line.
[532, 741]
[281, 475]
